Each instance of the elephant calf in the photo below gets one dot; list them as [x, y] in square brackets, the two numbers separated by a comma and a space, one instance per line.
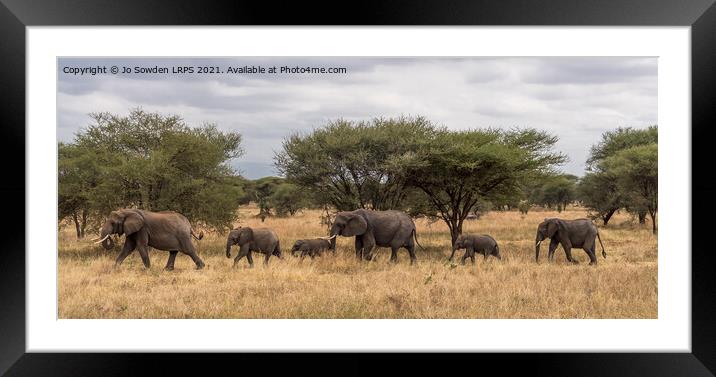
[472, 243]
[262, 240]
[311, 247]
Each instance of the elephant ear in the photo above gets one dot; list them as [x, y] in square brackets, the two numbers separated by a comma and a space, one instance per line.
[132, 223]
[552, 227]
[246, 235]
[356, 225]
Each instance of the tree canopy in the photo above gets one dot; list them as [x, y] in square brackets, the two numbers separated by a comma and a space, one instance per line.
[623, 173]
[408, 163]
[150, 161]
[458, 169]
[349, 163]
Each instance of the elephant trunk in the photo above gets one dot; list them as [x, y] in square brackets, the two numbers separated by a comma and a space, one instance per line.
[105, 234]
[228, 248]
[334, 234]
[108, 244]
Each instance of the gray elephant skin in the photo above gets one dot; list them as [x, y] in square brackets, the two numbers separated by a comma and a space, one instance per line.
[472, 243]
[581, 233]
[311, 247]
[261, 240]
[393, 229]
[167, 230]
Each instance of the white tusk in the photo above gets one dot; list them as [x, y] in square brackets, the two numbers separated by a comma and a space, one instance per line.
[328, 238]
[102, 240]
[538, 243]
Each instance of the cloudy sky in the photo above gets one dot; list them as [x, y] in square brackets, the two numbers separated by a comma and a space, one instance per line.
[575, 98]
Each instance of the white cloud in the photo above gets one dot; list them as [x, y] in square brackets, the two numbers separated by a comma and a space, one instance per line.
[575, 98]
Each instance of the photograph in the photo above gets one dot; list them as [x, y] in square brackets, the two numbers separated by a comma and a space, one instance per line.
[357, 187]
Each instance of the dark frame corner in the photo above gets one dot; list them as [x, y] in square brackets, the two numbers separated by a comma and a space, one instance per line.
[16, 15]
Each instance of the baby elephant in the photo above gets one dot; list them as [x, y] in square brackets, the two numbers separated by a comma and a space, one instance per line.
[262, 240]
[311, 247]
[472, 243]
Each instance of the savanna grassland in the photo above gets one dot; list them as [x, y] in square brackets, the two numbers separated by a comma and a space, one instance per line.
[339, 286]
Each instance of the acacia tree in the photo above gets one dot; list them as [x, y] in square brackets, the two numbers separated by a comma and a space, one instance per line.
[556, 190]
[636, 172]
[456, 170]
[346, 163]
[599, 193]
[612, 143]
[155, 162]
[78, 175]
[287, 199]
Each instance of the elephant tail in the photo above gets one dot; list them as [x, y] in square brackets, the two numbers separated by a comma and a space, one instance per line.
[200, 236]
[604, 253]
[415, 236]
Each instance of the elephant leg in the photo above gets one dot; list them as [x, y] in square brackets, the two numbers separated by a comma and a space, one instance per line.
[452, 255]
[129, 246]
[472, 256]
[464, 256]
[568, 253]
[250, 259]
[266, 258]
[592, 256]
[145, 255]
[411, 251]
[368, 246]
[552, 247]
[394, 254]
[188, 249]
[359, 247]
[143, 246]
[243, 252]
[170, 261]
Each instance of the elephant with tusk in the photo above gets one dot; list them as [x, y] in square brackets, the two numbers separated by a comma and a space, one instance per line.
[169, 231]
[580, 233]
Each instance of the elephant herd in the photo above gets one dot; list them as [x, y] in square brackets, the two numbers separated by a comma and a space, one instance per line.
[172, 232]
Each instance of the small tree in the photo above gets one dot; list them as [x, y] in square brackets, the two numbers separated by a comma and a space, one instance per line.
[636, 172]
[150, 161]
[456, 170]
[524, 206]
[347, 164]
[600, 194]
[78, 175]
[287, 199]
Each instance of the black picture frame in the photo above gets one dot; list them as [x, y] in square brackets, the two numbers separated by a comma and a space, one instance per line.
[16, 15]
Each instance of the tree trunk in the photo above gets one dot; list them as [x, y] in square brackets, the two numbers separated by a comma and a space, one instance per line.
[642, 217]
[83, 225]
[652, 214]
[455, 230]
[77, 225]
[608, 216]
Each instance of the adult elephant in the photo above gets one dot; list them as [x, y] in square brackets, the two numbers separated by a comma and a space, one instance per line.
[393, 229]
[167, 230]
[580, 233]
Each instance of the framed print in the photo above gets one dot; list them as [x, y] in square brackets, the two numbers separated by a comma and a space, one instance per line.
[225, 185]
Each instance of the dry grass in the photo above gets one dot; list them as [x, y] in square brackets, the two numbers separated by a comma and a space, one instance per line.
[622, 286]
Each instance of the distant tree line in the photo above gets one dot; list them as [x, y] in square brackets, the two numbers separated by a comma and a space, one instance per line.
[149, 161]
